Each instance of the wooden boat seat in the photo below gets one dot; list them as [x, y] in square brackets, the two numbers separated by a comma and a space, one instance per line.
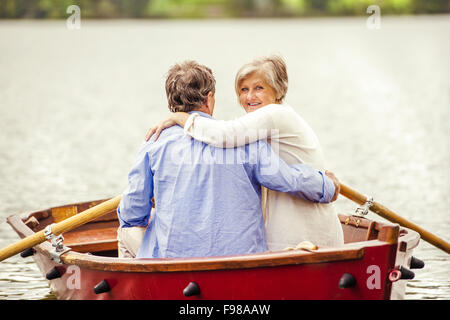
[358, 228]
[99, 235]
[93, 240]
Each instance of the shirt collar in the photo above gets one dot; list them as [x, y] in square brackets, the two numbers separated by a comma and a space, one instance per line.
[203, 114]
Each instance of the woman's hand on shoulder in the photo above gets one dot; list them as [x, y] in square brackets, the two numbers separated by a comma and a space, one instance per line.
[173, 119]
[156, 130]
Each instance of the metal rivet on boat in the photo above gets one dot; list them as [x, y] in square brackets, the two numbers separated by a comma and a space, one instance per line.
[192, 289]
[102, 287]
[416, 263]
[28, 252]
[347, 281]
[406, 273]
[53, 273]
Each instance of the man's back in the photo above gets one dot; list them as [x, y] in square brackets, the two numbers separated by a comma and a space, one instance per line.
[206, 200]
[206, 203]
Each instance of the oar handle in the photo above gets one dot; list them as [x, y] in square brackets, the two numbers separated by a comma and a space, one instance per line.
[60, 227]
[393, 217]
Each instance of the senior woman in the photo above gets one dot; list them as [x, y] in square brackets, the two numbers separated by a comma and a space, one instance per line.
[261, 87]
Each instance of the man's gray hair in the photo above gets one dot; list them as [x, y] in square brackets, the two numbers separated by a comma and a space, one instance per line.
[188, 85]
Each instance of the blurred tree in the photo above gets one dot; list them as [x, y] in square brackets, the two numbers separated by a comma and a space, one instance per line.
[293, 7]
[8, 9]
[106, 9]
[213, 8]
[432, 6]
[319, 5]
[351, 7]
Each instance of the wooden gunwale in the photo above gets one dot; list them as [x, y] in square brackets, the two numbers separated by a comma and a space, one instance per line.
[271, 259]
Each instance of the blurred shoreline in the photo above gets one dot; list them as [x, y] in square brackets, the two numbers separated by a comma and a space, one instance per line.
[237, 19]
[215, 9]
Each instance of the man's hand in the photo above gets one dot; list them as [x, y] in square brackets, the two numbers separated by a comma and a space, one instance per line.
[337, 185]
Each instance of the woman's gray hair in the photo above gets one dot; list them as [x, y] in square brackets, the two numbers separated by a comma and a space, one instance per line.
[273, 68]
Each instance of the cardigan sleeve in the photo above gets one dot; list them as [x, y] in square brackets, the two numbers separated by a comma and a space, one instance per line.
[249, 128]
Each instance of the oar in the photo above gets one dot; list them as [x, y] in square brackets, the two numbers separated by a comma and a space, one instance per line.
[393, 217]
[60, 227]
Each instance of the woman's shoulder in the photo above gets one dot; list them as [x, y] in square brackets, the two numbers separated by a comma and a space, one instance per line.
[284, 114]
[278, 109]
[273, 111]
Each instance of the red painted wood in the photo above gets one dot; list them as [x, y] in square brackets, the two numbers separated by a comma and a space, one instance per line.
[307, 281]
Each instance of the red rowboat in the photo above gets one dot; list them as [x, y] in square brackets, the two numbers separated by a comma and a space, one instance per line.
[374, 263]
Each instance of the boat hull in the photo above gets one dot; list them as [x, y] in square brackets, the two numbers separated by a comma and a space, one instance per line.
[292, 282]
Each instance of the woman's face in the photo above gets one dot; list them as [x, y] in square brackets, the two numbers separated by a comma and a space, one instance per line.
[254, 92]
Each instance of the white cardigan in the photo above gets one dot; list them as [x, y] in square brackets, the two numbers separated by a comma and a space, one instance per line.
[288, 220]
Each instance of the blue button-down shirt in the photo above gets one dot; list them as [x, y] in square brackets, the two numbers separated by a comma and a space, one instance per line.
[208, 199]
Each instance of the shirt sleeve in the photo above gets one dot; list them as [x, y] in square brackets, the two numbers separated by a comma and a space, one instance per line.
[136, 203]
[249, 128]
[299, 180]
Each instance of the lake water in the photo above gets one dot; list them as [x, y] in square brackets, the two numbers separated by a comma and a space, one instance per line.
[76, 104]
